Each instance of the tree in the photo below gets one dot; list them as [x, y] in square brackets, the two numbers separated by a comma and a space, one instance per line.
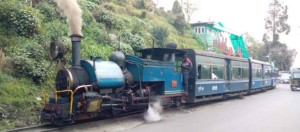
[283, 57]
[253, 46]
[176, 9]
[180, 23]
[160, 34]
[276, 51]
[189, 9]
[276, 21]
[177, 18]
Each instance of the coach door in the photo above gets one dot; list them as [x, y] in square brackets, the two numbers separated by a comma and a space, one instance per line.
[227, 75]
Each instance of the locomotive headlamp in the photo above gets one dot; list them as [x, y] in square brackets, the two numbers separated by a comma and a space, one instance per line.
[57, 50]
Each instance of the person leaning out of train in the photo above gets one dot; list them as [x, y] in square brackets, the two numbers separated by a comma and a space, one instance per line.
[186, 68]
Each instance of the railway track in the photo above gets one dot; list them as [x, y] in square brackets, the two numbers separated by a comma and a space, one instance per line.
[50, 127]
[35, 128]
[97, 121]
[106, 121]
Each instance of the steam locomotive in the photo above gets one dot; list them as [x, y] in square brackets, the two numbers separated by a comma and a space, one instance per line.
[97, 88]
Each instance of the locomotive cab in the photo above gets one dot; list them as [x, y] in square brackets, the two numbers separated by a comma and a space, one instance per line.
[158, 69]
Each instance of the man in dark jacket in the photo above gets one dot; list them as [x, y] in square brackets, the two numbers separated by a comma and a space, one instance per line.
[186, 68]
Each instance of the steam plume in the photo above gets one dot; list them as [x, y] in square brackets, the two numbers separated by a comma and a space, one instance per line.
[72, 11]
[153, 112]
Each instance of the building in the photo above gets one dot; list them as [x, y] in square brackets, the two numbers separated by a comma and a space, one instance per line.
[220, 38]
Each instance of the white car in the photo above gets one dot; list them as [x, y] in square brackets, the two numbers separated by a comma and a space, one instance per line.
[285, 78]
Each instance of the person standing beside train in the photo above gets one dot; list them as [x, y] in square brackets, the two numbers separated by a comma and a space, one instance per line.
[186, 67]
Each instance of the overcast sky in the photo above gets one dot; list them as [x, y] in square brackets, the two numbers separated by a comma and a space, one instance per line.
[245, 16]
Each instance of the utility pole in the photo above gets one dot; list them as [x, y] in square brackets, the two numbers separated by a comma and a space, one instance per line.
[274, 31]
[182, 5]
[274, 17]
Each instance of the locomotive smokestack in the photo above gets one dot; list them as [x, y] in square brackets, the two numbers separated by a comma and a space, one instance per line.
[76, 39]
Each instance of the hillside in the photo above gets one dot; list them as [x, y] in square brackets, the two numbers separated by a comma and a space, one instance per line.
[28, 27]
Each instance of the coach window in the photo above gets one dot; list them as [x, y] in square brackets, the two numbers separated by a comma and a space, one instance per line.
[267, 72]
[245, 73]
[203, 72]
[199, 72]
[258, 73]
[236, 73]
[254, 73]
[218, 72]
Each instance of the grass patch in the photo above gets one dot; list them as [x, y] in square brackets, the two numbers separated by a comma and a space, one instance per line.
[18, 102]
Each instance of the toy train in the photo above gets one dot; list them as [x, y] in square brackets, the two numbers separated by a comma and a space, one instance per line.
[96, 88]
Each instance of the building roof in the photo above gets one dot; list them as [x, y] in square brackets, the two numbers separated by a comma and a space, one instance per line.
[199, 22]
[217, 25]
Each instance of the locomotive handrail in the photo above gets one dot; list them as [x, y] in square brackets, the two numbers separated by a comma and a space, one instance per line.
[82, 86]
[45, 95]
[71, 96]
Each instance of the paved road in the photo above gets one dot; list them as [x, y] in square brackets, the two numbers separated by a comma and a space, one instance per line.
[277, 110]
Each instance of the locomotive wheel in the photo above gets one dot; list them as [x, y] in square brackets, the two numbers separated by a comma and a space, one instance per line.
[177, 101]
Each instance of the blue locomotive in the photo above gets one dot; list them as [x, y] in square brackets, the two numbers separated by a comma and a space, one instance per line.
[97, 88]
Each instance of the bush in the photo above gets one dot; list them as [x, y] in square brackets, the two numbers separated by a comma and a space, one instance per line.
[90, 48]
[143, 14]
[27, 60]
[139, 26]
[179, 23]
[110, 20]
[143, 4]
[88, 5]
[140, 4]
[135, 41]
[96, 32]
[87, 18]
[55, 30]
[160, 34]
[23, 20]
[110, 6]
[118, 43]
[87, 8]
[47, 11]
[5, 40]
[121, 2]
[96, 1]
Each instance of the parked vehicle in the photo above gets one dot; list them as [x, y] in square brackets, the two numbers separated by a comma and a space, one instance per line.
[285, 77]
[295, 80]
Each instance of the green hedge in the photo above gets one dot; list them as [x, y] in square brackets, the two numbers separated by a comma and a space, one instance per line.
[24, 20]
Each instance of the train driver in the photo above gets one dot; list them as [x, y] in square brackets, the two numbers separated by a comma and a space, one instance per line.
[186, 68]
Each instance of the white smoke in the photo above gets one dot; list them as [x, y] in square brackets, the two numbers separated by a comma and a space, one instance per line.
[154, 110]
[72, 11]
